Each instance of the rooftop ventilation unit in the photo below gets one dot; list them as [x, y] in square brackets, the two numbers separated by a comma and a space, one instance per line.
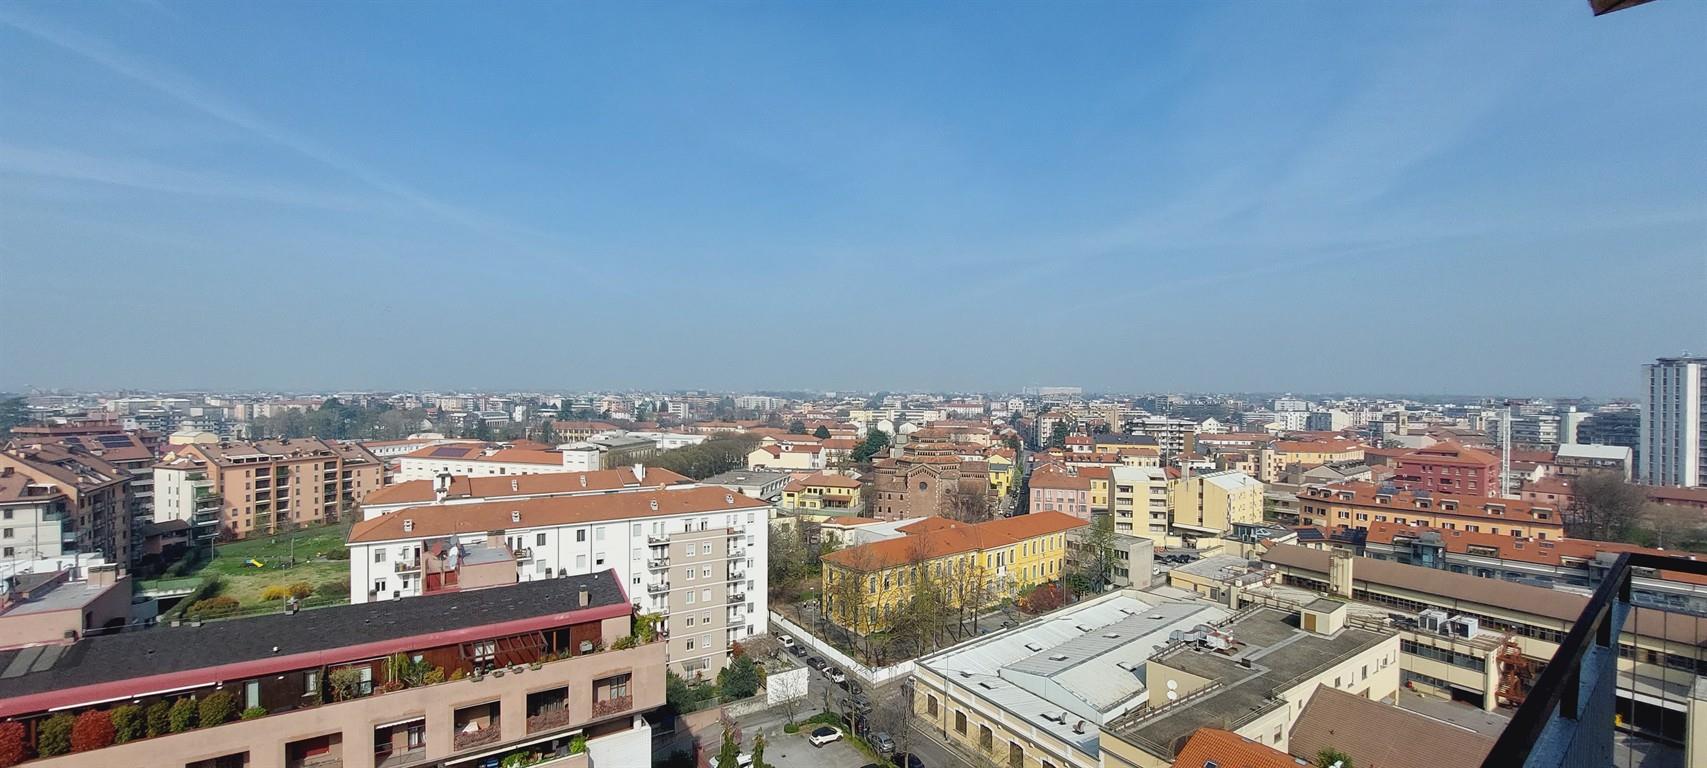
[515, 516]
[1058, 657]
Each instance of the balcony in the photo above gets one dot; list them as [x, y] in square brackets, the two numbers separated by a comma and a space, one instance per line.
[548, 710]
[476, 726]
[658, 563]
[658, 587]
[407, 566]
[657, 541]
[738, 597]
[524, 554]
[612, 706]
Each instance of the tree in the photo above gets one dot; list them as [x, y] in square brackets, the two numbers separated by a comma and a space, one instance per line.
[719, 453]
[1094, 563]
[738, 680]
[788, 558]
[797, 427]
[759, 752]
[93, 730]
[13, 412]
[11, 744]
[548, 433]
[129, 723]
[731, 751]
[1674, 527]
[54, 738]
[822, 432]
[967, 503]
[1606, 507]
[158, 718]
[1329, 757]
[876, 441]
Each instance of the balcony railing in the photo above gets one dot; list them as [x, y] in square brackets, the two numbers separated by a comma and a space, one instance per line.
[385, 757]
[658, 562]
[407, 566]
[525, 553]
[658, 587]
[1567, 716]
[613, 705]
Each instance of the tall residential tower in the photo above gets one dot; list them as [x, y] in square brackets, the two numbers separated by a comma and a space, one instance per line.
[1674, 446]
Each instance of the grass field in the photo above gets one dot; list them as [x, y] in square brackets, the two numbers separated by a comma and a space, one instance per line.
[244, 581]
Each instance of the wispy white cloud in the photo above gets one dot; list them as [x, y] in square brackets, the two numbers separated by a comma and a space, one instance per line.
[515, 237]
[141, 174]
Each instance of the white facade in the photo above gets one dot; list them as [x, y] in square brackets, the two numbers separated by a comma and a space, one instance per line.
[1674, 445]
[628, 545]
[429, 467]
[669, 440]
[33, 528]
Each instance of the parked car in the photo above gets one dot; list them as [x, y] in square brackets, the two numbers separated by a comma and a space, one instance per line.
[816, 663]
[798, 650]
[852, 687]
[785, 640]
[906, 760]
[742, 760]
[836, 675]
[859, 704]
[883, 743]
[822, 735]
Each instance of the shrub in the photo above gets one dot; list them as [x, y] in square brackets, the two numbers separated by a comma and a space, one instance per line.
[216, 708]
[578, 744]
[623, 643]
[128, 723]
[334, 589]
[340, 553]
[182, 716]
[738, 680]
[275, 593]
[458, 674]
[253, 712]
[54, 738]
[159, 718]
[301, 590]
[346, 683]
[11, 744]
[434, 676]
[92, 730]
[736, 650]
[213, 608]
[791, 728]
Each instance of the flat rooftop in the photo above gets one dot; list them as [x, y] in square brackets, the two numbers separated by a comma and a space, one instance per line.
[70, 596]
[1281, 655]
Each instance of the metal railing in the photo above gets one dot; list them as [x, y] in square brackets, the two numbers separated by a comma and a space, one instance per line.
[1566, 718]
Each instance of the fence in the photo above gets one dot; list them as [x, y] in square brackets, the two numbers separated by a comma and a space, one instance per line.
[865, 674]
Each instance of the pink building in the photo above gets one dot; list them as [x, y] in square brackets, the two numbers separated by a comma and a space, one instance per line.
[1056, 491]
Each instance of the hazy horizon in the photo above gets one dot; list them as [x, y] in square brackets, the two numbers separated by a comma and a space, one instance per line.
[1450, 197]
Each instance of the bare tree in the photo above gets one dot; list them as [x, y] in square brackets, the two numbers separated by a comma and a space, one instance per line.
[848, 592]
[969, 586]
[967, 503]
[1674, 527]
[1606, 507]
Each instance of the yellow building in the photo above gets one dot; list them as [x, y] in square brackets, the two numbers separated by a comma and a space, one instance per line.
[1277, 456]
[825, 490]
[1209, 504]
[1004, 473]
[953, 563]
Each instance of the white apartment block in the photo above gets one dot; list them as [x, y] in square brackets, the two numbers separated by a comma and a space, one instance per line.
[1138, 499]
[462, 489]
[695, 555]
[32, 521]
[1674, 443]
[479, 460]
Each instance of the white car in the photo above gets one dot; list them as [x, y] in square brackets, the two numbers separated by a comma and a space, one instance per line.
[836, 676]
[787, 642]
[821, 736]
[742, 760]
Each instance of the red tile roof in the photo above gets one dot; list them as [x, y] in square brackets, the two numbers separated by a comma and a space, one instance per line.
[951, 539]
[1225, 749]
[1450, 452]
[500, 486]
[538, 513]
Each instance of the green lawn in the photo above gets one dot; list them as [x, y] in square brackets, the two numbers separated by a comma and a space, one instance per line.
[244, 581]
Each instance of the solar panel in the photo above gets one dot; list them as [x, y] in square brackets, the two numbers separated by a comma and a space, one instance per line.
[448, 451]
[113, 441]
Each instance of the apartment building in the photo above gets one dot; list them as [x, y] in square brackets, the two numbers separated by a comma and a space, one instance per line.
[1359, 505]
[824, 491]
[1674, 422]
[1139, 502]
[1126, 679]
[693, 555]
[270, 485]
[127, 451]
[462, 489]
[1273, 459]
[973, 564]
[1059, 489]
[35, 521]
[457, 680]
[483, 460]
[97, 515]
[791, 454]
[1448, 467]
[1208, 505]
[1576, 460]
[1171, 435]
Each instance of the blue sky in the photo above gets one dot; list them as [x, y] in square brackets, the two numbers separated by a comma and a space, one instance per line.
[1390, 197]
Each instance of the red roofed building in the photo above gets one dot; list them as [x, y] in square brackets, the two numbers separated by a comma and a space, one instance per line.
[1061, 492]
[1226, 749]
[1448, 468]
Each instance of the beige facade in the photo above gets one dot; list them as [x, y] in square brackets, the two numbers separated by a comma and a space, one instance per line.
[1209, 504]
[270, 485]
[267, 742]
[698, 577]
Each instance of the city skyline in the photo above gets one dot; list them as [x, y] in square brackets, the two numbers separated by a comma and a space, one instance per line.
[1205, 198]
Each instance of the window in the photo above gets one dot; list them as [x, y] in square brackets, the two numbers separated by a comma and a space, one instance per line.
[690, 597]
[311, 682]
[690, 640]
[379, 555]
[930, 705]
[705, 548]
[705, 573]
[690, 573]
[960, 722]
[580, 534]
[705, 595]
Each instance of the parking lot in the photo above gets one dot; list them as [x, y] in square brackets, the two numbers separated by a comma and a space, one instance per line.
[793, 751]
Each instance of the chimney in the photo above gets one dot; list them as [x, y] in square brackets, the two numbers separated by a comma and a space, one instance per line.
[441, 487]
[1339, 573]
[408, 525]
[514, 485]
[640, 473]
